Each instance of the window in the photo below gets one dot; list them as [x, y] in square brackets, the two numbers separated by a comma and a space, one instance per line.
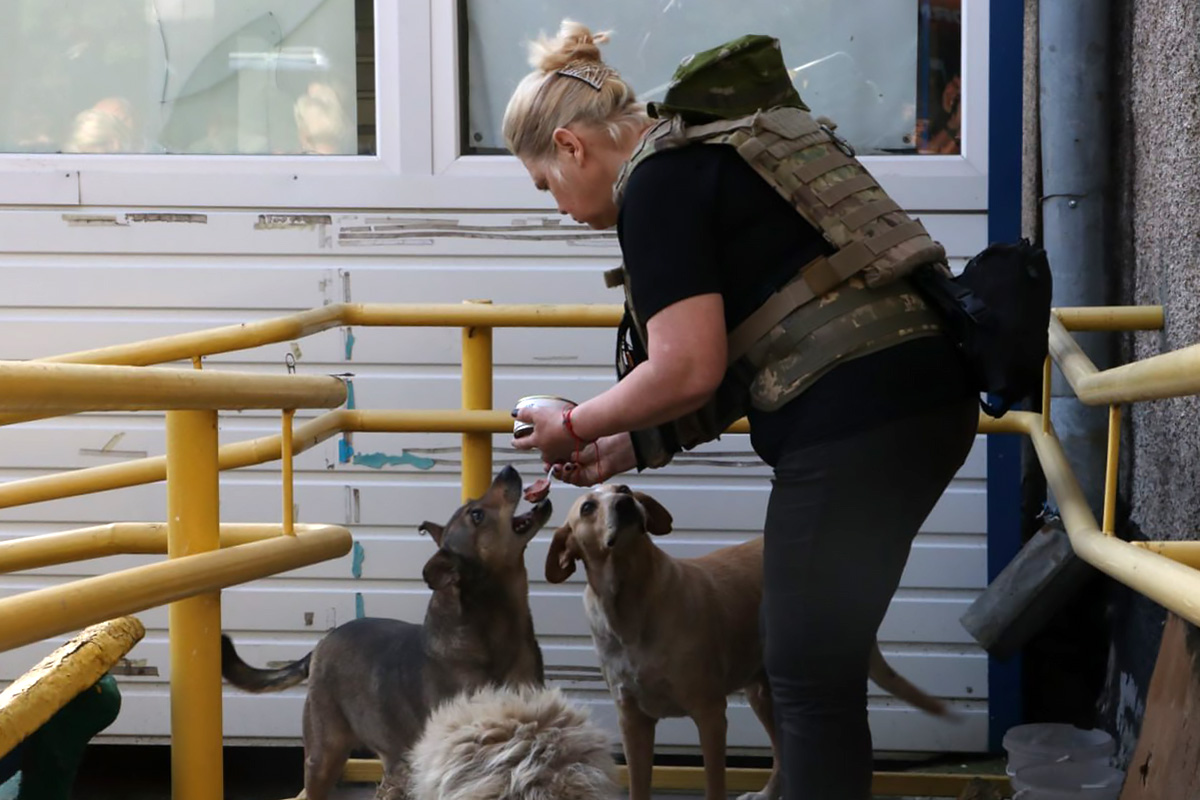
[888, 72]
[197, 77]
[195, 101]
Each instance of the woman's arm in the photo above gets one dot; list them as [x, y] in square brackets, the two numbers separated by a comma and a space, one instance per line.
[685, 364]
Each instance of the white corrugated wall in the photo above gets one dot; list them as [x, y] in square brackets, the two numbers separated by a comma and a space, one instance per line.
[93, 277]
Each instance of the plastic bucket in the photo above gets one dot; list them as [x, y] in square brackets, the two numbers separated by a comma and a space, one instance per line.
[1068, 781]
[1053, 742]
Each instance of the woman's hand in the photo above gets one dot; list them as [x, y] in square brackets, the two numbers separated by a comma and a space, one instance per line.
[598, 462]
[549, 436]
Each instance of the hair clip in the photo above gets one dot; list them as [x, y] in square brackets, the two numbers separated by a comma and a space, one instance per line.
[593, 73]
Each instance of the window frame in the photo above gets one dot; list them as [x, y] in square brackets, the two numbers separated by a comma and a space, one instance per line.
[418, 162]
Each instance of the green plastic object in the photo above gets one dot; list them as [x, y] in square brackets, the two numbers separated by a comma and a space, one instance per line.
[51, 756]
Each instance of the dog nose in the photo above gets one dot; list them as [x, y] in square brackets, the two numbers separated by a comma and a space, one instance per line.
[625, 511]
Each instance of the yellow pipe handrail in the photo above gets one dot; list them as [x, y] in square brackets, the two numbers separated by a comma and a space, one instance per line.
[35, 615]
[193, 619]
[305, 323]
[1167, 582]
[1111, 318]
[1173, 374]
[32, 699]
[250, 452]
[1142, 568]
[55, 389]
[1186, 552]
[116, 539]
[195, 344]
[476, 396]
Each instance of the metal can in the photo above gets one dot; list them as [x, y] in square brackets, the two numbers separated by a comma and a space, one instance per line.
[523, 429]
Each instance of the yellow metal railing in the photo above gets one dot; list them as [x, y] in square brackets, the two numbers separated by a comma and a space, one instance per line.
[1160, 570]
[196, 569]
[31, 700]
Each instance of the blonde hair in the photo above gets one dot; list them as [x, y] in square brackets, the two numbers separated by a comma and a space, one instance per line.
[546, 100]
[523, 743]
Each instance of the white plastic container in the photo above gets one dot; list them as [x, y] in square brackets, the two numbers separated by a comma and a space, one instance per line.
[1068, 780]
[523, 429]
[1053, 742]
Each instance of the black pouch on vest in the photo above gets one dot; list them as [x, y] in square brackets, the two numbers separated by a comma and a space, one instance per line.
[998, 313]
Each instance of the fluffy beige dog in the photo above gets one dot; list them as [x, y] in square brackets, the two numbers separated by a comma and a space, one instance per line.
[512, 744]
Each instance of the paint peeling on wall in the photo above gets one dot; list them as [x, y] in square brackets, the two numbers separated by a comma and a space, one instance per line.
[125, 220]
[381, 460]
[396, 231]
[189, 219]
[348, 334]
[360, 607]
[92, 221]
[357, 560]
[353, 506]
[291, 222]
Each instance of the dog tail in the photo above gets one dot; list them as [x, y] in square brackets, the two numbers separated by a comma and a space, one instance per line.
[252, 679]
[897, 685]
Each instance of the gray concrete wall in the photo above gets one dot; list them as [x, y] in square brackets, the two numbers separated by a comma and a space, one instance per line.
[1159, 216]
[1155, 259]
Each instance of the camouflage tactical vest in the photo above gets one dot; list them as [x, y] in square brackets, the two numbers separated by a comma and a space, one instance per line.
[837, 307]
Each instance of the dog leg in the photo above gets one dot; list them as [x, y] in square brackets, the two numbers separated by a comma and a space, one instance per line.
[713, 726]
[327, 744]
[637, 736]
[395, 781]
[758, 695]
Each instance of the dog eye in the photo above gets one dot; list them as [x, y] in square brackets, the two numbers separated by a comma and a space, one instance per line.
[588, 507]
[623, 489]
[477, 515]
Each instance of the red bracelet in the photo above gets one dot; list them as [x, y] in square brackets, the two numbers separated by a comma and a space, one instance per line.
[580, 444]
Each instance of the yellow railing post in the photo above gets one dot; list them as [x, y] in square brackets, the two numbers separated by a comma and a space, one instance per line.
[1047, 377]
[1110, 476]
[476, 394]
[289, 513]
[195, 623]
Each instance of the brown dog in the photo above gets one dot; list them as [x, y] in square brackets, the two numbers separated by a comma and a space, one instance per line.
[676, 637]
[374, 682]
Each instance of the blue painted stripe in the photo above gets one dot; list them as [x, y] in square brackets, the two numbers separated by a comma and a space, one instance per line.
[1005, 80]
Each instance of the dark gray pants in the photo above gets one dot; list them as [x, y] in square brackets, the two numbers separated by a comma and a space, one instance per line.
[840, 524]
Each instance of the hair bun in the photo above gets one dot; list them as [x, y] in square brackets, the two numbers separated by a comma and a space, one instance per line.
[574, 42]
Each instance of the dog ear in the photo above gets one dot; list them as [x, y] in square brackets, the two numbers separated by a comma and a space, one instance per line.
[658, 519]
[441, 570]
[434, 530]
[560, 560]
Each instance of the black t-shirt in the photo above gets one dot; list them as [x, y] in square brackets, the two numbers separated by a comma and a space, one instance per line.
[699, 220]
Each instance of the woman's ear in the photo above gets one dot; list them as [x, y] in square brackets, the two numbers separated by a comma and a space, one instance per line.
[560, 559]
[568, 144]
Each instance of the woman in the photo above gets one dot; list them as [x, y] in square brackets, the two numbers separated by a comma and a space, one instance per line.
[860, 456]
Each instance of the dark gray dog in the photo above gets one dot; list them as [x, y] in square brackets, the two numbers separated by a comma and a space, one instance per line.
[373, 682]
